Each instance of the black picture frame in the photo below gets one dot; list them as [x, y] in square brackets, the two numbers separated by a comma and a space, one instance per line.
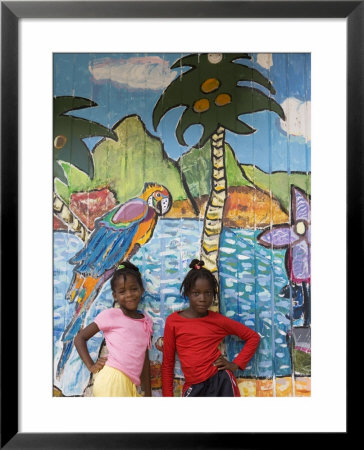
[11, 12]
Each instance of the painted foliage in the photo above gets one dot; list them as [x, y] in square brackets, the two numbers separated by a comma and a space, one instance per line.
[161, 158]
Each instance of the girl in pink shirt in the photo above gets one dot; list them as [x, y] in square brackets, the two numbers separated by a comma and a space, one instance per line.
[127, 334]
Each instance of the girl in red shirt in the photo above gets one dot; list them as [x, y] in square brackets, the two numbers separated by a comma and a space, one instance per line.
[195, 333]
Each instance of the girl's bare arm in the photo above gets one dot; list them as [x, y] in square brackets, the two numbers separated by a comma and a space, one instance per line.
[145, 377]
[81, 346]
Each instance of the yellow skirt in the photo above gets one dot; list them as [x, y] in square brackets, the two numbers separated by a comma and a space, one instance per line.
[111, 382]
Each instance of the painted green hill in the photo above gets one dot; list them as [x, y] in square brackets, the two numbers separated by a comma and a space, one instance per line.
[135, 152]
[138, 152]
[278, 182]
[196, 166]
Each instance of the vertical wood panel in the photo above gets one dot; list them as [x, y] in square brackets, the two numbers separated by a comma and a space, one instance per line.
[261, 168]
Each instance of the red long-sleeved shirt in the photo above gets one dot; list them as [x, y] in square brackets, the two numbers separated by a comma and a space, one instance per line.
[196, 342]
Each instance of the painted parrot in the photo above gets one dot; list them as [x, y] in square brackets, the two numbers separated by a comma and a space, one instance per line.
[117, 236]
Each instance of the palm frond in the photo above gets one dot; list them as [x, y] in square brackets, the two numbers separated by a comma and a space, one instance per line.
[232, 57]
[187, 119]
[237, 126]
[183, 91]
[209, 129]
[171, 98]
[211, 93]
[70, 130]
[64, 104]
[249, 74]
[80, 159]
[190, 60]
[58, 172]
[250, 100]
[79, 128]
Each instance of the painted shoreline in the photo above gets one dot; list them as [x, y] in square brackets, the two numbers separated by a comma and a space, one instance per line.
[245, 207]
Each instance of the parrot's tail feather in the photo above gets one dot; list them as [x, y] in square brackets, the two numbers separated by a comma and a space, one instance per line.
[66, 352]
[88, 289]
[81, 288]
[74, 287]
[82, 292]
[87, 293]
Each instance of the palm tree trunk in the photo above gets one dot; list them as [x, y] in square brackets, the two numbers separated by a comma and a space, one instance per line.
[213, 220]
[62, 211]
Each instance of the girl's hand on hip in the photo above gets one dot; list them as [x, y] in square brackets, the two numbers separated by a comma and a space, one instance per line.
[99, 364]
[223, 364]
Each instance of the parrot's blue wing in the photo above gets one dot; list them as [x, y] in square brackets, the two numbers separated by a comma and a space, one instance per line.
[104, 250]
[111, 239]
[116, 250]
[94, 246]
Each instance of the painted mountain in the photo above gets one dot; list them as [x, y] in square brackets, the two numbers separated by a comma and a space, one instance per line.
[255, 199]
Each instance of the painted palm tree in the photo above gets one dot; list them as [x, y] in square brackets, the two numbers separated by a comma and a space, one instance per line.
[212, 97]
[68, 146]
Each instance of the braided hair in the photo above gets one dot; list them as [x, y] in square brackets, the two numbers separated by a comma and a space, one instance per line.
[197, 271]
[125, 269]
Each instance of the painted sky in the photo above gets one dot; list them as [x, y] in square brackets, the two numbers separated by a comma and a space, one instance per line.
[126, 84]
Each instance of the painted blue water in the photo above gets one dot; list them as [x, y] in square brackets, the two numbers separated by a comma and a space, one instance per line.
[251, 279]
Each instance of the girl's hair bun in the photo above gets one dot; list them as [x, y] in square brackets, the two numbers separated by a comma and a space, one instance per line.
[196, 263]
[198, 271]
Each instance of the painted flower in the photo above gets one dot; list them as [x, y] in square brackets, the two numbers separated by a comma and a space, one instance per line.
[296, 238]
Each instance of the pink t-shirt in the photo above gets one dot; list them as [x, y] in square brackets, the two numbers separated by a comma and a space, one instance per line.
[126, 340]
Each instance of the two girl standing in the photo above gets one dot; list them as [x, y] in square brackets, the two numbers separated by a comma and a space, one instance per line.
[195, 333]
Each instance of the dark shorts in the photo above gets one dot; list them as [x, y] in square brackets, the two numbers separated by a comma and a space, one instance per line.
[222, 384]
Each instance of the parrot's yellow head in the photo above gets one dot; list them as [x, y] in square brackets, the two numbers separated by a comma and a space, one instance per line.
[158, 197]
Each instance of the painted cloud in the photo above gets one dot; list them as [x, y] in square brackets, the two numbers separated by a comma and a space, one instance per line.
[265, 60]
[139, 72]
[298, 118]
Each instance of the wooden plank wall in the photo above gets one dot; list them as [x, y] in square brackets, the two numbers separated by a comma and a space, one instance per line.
[117, 130]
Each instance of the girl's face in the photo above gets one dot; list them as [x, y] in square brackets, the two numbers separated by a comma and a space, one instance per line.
[128, 294]
[201, 297]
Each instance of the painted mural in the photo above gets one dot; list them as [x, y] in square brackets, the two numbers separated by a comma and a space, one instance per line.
[218, 145]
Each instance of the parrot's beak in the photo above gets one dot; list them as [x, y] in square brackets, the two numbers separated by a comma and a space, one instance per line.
[161, 206]
[157, 205]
